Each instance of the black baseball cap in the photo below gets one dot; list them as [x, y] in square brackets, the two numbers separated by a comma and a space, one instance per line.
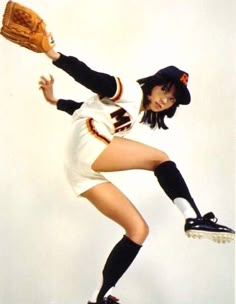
[178, 77]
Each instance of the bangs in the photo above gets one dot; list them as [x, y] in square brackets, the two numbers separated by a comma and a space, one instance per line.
[168, 86]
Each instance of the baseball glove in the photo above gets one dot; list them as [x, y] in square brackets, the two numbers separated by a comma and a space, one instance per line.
[24, 27]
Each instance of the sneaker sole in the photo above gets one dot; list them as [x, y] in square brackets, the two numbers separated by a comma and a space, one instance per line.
[218, 237]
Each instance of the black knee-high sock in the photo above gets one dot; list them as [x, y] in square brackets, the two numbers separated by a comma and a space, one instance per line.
[117, 263]
[172, 182]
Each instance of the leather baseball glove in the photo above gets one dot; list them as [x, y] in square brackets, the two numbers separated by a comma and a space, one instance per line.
[24, 27]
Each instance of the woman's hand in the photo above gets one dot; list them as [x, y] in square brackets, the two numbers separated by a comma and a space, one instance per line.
[46, 85]
[52, 54]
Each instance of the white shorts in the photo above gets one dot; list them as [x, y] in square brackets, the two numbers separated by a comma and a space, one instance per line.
[87, 139]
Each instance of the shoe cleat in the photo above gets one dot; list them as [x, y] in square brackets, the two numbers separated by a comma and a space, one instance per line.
[206, 227]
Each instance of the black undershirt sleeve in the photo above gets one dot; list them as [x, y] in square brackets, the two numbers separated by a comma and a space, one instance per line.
[100, 83]
[68, 105]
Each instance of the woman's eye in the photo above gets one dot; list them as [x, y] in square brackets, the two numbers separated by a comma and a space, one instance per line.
[164, 89]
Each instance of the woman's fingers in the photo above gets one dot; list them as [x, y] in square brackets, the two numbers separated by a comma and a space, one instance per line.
[45, 81]
[51, 79]
[42, 83]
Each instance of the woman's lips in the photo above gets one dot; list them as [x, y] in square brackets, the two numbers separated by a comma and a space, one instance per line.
[158, 104]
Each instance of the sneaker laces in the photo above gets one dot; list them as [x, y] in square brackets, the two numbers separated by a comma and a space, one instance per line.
[210, 217]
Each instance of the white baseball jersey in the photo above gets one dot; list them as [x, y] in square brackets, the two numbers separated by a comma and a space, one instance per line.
[93, 127]
[119, 112]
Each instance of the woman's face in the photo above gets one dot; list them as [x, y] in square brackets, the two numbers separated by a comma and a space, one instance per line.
[162, 97]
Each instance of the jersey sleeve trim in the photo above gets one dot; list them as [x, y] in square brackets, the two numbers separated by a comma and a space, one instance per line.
[119, 90]
[92, 130]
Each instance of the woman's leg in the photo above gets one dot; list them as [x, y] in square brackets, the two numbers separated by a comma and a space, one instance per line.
[126, 154]
[112, 203]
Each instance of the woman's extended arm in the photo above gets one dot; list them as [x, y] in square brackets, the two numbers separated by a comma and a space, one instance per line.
[102, 84]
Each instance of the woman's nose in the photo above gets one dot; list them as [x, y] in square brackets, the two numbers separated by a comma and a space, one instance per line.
[164, 100]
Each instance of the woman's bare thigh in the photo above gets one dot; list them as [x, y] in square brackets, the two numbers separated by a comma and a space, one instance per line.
[112, 203]
[125, 154]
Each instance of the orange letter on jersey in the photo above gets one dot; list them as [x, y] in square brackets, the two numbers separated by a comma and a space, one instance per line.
[121, 120]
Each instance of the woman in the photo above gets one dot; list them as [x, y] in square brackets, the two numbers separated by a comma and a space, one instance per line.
[96, 144]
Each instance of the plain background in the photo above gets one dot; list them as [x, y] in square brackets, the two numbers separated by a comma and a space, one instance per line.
[53, 245]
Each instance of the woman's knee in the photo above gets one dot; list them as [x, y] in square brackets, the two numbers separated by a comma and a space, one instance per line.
[138, 233]
[160, 158]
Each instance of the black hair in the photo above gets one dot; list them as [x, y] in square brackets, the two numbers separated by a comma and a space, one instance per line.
[151, 118]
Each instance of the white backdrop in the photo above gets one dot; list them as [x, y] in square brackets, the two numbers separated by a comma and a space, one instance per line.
[53, 245]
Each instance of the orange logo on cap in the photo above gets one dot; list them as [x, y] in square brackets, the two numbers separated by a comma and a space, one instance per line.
[184, 79]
